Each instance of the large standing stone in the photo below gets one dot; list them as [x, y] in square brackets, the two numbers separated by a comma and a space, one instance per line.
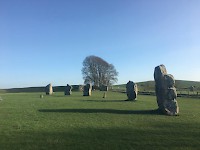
[87, 90]
[131, 90]
[165, 91]
[49, 89]
[68, 90]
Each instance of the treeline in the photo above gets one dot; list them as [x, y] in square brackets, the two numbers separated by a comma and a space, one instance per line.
[39, 89]
[182, 87]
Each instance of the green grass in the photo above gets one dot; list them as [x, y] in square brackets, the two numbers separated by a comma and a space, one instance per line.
[87, 123]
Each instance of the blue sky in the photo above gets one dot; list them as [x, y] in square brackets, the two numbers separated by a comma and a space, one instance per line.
[46, 41]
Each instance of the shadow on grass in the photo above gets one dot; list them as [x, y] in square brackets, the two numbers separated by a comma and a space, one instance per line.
[105, 100]
[111, 111]
[57, 95]
[98, 139]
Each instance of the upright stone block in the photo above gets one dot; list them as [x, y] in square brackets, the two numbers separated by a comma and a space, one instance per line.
[131, 90]
[165, 91]
[49, 89]
[87, 90]
[68, 90]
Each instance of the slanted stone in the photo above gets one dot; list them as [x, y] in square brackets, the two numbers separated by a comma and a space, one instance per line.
[87, 90]
[68, 90]
[49, 89]
[165, 91]
[131, 90]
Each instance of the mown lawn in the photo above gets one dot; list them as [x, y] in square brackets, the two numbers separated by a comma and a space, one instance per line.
[28, 122]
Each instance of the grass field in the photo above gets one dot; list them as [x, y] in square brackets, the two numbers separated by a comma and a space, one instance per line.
[93, 123]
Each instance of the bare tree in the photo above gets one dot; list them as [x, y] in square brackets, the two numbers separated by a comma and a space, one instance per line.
[98, 72]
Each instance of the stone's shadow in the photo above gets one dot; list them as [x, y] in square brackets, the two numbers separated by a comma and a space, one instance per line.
[59, 95]
[111, 111]
[104, 100]
[100, 137]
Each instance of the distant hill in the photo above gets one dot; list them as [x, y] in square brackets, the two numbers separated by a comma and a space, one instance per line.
[181, 85]
[150, 85]
[36, 89]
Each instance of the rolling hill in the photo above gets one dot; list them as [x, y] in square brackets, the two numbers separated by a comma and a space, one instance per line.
[181, 85]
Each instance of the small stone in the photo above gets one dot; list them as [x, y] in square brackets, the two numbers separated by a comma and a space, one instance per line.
[87, 90]
[49, 89]
[68, 90]
[131, 90]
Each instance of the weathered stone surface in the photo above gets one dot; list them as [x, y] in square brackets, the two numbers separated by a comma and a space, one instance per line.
[165, 91]
[49, 89]
[131, 90]
[87, 90]
[68, 90]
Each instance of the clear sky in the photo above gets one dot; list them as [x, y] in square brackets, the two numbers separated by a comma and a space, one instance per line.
[46, 41]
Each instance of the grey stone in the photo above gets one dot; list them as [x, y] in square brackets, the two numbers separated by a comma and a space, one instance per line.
[49, 89]
[165, 91]
[192, 88]
[87, 90]
[131, 90]
[68, 90]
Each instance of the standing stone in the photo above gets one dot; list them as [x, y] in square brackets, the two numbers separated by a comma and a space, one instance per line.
[165, 91]
[49, 89]
[68, 90]
[131, 90]
[87, 90]
[191, 88]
